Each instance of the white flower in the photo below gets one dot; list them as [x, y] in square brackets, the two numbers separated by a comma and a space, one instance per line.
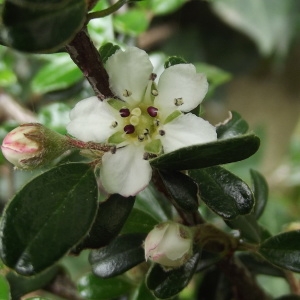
[169, 244]
[147, 118]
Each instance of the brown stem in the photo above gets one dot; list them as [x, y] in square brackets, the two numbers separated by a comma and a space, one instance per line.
[85, 55]
[244, 284]
[293, 282]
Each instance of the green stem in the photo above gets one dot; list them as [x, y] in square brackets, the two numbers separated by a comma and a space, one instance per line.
[106, 12]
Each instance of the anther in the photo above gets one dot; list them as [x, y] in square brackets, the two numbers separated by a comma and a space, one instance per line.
[178, 101]
[127, 93]
[113, 149]
[154, 93]
[153, 76]
[124, 112]
[156, 122]
[114, 124]
[129, 129]
[152, 111]
[161, 132]
[146, 131]
[141, 137]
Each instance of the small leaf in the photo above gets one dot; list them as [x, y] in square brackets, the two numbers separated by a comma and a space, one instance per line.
[234, 126]
[107, 50]
[138, 221]
[120, 255]
[110, 218]
[210, 154]
[223, 192]
[49, 215]
[174, 60]
[166, 284]
[283, 250]
[261, 191]
[4, 289]
[182, 189]
[92, 287]
[38, 27]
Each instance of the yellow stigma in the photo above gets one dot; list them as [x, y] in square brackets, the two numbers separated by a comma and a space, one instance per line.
[134, 120]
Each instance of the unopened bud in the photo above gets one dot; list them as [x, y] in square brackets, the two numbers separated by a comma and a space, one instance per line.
[169, 244]
[32, 145]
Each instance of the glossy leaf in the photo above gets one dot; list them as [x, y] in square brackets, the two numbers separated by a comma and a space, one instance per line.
[21, 285]
[49, 215]
[59, 73]
[138, 221]
[174, 60]
[182, 189]
[91, 287]
[34, 26]
[210, 154]
[107, 50]
[4, 289]
[283, 250]
[166, 284]
[120, 255]
[110, 218]
[223, 192]
[261, 191]
[232, 127]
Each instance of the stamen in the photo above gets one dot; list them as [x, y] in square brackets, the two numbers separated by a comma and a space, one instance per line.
[129, 129]
[152, 111]
[156, 122]
[141, 137]
[146, 131]
[153, 76]
[124, 112]
[161, 132]
[154, 93]
[134, 120]
[114, 124]
[136, 112]
[178, 101]
[127, 93]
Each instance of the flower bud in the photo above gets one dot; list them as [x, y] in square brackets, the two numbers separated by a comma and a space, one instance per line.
[169, 244]
[32, 145]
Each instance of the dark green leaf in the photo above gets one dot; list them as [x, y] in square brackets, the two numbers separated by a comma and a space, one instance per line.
[36, 26]
[174, 60]
[120, 255]
[48, 216]
[138, 221]
[182, 189]
[166, 284]
[223, 192]
[4, 289]
[143, 293]
[261, 191]
[234, 126]
[210, 154]
[107, 50]
[94, 288]
[110, 218]
[21, 285]
[283, 250]
[207, 260]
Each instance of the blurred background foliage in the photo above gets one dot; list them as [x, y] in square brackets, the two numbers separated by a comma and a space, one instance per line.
[250, 52]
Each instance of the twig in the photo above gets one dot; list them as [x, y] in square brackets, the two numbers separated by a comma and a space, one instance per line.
[293, 282]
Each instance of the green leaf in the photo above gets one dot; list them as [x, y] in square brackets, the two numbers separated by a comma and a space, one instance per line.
[210, 154]
[36, 26]
[261, 192]
[165, 7]
[142, 293]
[110, 218]
[166, 284]
[92, 287]
[49, 215]
[4, 289]
[174, 60]
[182, 189]
[223, 192]
[58, 74]
[139, 221]
[107, 50]
[234, 126]
[21, 285]
[283, 250]
[132, 22]
[120, 255]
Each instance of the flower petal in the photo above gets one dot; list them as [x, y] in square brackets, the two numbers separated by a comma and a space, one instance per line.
[129, 72]
[91, 120]
[125, 172]
[187, 130]
[180, 82]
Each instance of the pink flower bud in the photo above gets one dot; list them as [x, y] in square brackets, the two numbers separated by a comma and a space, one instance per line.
[32, 145]
[169, 244]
